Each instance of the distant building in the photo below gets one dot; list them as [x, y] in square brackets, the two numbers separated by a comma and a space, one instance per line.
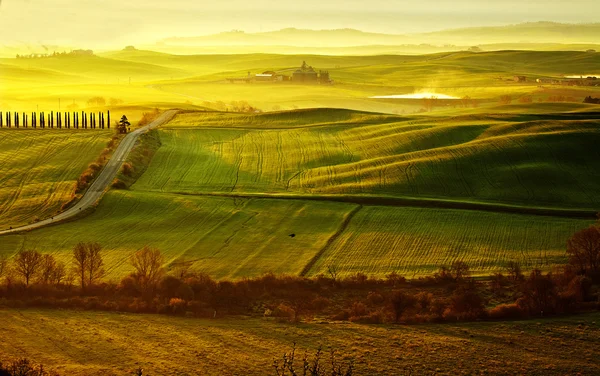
[307, 74]
[263, 77]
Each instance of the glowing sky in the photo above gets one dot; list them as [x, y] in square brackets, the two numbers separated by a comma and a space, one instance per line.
[118, 22]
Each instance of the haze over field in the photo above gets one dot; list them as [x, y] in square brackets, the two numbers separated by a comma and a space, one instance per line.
[110, 23]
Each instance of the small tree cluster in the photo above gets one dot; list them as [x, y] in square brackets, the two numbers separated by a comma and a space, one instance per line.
[24, 367]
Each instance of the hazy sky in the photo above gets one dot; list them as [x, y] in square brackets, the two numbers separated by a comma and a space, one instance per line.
[99, 23]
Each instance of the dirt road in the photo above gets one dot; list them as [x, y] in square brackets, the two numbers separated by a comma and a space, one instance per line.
[107, 175]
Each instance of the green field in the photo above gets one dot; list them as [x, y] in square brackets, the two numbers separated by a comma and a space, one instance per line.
[235, 238]
[488, 158]
[533, 155]
[95, 343]
[142, 77]
[39, 169]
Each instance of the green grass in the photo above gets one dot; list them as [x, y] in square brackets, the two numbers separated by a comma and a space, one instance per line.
[416, 241]
[534, 155]
[235, 238]
[39, 169]
[506, 159]
[227, 238]
[96, 343]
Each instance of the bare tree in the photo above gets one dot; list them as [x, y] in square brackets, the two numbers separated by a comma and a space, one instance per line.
[333, 272]
[59, 274]
[47, 268]
[80, 257]
[27, 264]
[148, 264]
[584, 250]
[95, 264]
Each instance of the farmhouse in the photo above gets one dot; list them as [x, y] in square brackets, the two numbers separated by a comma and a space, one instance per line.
[307, 74]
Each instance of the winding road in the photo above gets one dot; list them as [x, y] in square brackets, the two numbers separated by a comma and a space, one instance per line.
[107, 175]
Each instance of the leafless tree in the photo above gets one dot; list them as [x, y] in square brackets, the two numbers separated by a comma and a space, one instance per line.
[95, 264]
[584, 250]
[80, 260]
[27, 264]
[333, 272]
[148, 264]
[47, 268]
[59, 274]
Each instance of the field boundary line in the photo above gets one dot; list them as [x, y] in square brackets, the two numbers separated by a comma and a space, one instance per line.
[403, 201]
[343, 226]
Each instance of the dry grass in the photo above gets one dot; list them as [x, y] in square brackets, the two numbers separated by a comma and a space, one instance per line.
[89, 343]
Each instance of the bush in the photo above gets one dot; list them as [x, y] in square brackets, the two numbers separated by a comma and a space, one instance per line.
[127, 169]
[375, 298]
[507, 312]
[320, 303]
[284, 310]
[177, 306]
[118, 184]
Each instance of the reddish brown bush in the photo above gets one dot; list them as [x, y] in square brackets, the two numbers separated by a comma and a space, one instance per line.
[507, 312]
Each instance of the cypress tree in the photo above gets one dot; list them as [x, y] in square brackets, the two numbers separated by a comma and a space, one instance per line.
[108, 122]
[1, 119]
[16, 120]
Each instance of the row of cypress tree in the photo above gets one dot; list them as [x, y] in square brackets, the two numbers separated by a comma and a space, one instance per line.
[55, 120]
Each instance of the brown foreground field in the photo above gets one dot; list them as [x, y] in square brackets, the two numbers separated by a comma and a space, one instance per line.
[94, 343]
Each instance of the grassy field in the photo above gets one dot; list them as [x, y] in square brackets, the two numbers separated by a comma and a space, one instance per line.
[224, 237]
[39, 169]
[501, 158]
[235, 238]
[143, 77]
[92, 343]
[495, 154]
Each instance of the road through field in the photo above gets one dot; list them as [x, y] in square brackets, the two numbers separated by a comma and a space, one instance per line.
[108, 173]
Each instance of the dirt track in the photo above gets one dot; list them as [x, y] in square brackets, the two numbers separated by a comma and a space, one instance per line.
[107, 175]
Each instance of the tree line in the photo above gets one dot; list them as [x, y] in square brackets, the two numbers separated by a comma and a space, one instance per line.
[35, 279]
[57, 120]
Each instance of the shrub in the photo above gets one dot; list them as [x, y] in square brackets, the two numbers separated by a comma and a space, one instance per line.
[284, 310]
[401, 303]
[320, 303]
[118, 184]
[375, 298]
[127, 169]
[358, 309]
[177, 306]
[507, 312]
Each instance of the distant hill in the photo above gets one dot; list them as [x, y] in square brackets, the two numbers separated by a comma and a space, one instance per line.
[532, 32]
[538, 32]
